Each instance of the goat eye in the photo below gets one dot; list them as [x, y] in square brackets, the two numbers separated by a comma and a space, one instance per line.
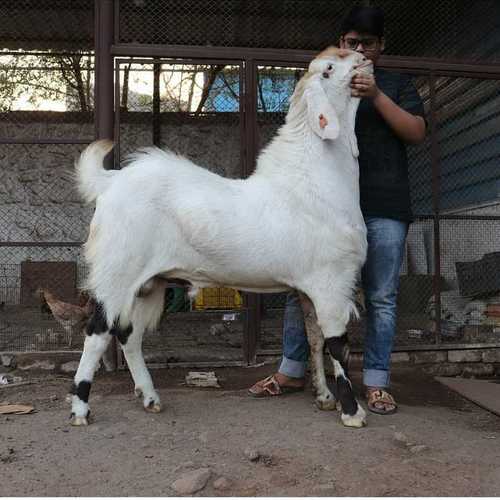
[330, 67]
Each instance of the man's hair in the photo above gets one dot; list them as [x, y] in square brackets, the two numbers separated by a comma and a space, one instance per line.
[362, 19]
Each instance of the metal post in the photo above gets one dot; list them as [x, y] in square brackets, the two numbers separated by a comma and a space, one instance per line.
[436, 193]
[252, 300]
[104, 91]
[156, 104]
[104, 95]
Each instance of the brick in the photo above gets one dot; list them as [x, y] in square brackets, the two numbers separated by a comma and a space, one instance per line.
[465, 356]
[400, 357]
[478, 370]
[444, 369]
[429, 357]
[8, 360]
[69, 367]
[491, 356]
[43, 364]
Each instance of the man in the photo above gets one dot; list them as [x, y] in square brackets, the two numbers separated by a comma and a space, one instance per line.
[390, 115]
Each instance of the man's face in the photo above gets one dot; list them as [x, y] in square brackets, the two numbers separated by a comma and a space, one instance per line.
[369, 45]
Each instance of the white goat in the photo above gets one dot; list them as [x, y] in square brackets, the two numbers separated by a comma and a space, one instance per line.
[296, 224]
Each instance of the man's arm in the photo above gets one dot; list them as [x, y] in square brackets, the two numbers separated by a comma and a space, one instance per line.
[409, 128]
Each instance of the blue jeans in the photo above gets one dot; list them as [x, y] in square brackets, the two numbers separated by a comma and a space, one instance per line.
[380, 277]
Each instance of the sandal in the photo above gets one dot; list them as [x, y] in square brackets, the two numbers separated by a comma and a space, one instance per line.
[380, 402]
[271, 387]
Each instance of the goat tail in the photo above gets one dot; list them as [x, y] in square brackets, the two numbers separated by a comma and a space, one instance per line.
[92, 178]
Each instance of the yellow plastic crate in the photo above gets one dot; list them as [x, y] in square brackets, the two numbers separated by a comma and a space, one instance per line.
[218, 298]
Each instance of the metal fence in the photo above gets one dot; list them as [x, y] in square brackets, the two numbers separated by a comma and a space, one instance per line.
[211, 81]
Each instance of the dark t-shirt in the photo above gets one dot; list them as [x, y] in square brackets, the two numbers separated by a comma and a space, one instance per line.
[383, 163]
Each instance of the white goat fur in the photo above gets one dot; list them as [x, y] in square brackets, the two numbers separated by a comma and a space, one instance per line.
[295, 223]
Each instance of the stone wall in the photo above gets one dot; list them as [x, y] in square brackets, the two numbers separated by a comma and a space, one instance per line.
[39, 203]
[38, 199]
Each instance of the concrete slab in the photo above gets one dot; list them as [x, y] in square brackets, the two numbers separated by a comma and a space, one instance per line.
[482, 392]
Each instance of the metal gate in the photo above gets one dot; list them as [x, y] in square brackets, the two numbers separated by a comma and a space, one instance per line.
[251, 54]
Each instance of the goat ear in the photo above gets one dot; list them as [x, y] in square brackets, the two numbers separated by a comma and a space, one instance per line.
[351, 129]
[321, 116]
[354, 144]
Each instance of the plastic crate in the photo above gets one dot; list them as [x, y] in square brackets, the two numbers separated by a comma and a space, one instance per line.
[218, 298]
[479, 277]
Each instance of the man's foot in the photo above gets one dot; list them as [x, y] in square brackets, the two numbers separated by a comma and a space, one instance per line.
[276, 385]
[380, 401]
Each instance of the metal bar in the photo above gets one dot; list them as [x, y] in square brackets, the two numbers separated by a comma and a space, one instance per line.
[183, 60]
[41, 243]
[156, 104]
[104, 96]
[241, 111]
[196, 51]
[117, 135]
[36, 140]
[104, 112]
[116, 34]
[252, 300]
[409, 64]
[46, 54]
[442, 67]
[195, 364]
[411, 348]
[463, 217]
[436, 192]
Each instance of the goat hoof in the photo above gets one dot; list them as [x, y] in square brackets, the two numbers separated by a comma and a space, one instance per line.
[326, 403]
[138, 392]
[153, 407]
[78, 421]
[357, 420]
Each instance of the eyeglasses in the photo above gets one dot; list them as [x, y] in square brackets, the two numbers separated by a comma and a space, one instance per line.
[354, 43]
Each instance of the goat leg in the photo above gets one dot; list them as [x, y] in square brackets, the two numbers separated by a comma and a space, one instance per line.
[353, 414]
[324, 398]
[96, 342]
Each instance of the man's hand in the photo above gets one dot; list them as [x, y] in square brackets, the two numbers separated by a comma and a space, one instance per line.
[363, 85]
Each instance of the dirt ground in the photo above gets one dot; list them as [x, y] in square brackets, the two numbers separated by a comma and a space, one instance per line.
[437, 444]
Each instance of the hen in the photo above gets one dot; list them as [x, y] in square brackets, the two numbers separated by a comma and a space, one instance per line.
[70, 316]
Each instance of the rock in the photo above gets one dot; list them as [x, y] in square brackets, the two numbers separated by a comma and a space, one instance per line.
[221, 484]
[267, 460]
[185, 465]
[400, 437]
[191, 482]
[5, 379]
[417, 448]
[38, 365]
[327, 489]
[202, 379]
[217, 329]
[8, 360]
[252, 454]
[281, 480]
[478, 370]
[489, 356]
[429, 357]
[70, 367]
[466, 356]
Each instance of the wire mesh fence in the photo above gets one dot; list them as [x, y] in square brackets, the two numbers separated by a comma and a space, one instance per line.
[47, 25]
[194, 110]
[197, 108]
[419, 29]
